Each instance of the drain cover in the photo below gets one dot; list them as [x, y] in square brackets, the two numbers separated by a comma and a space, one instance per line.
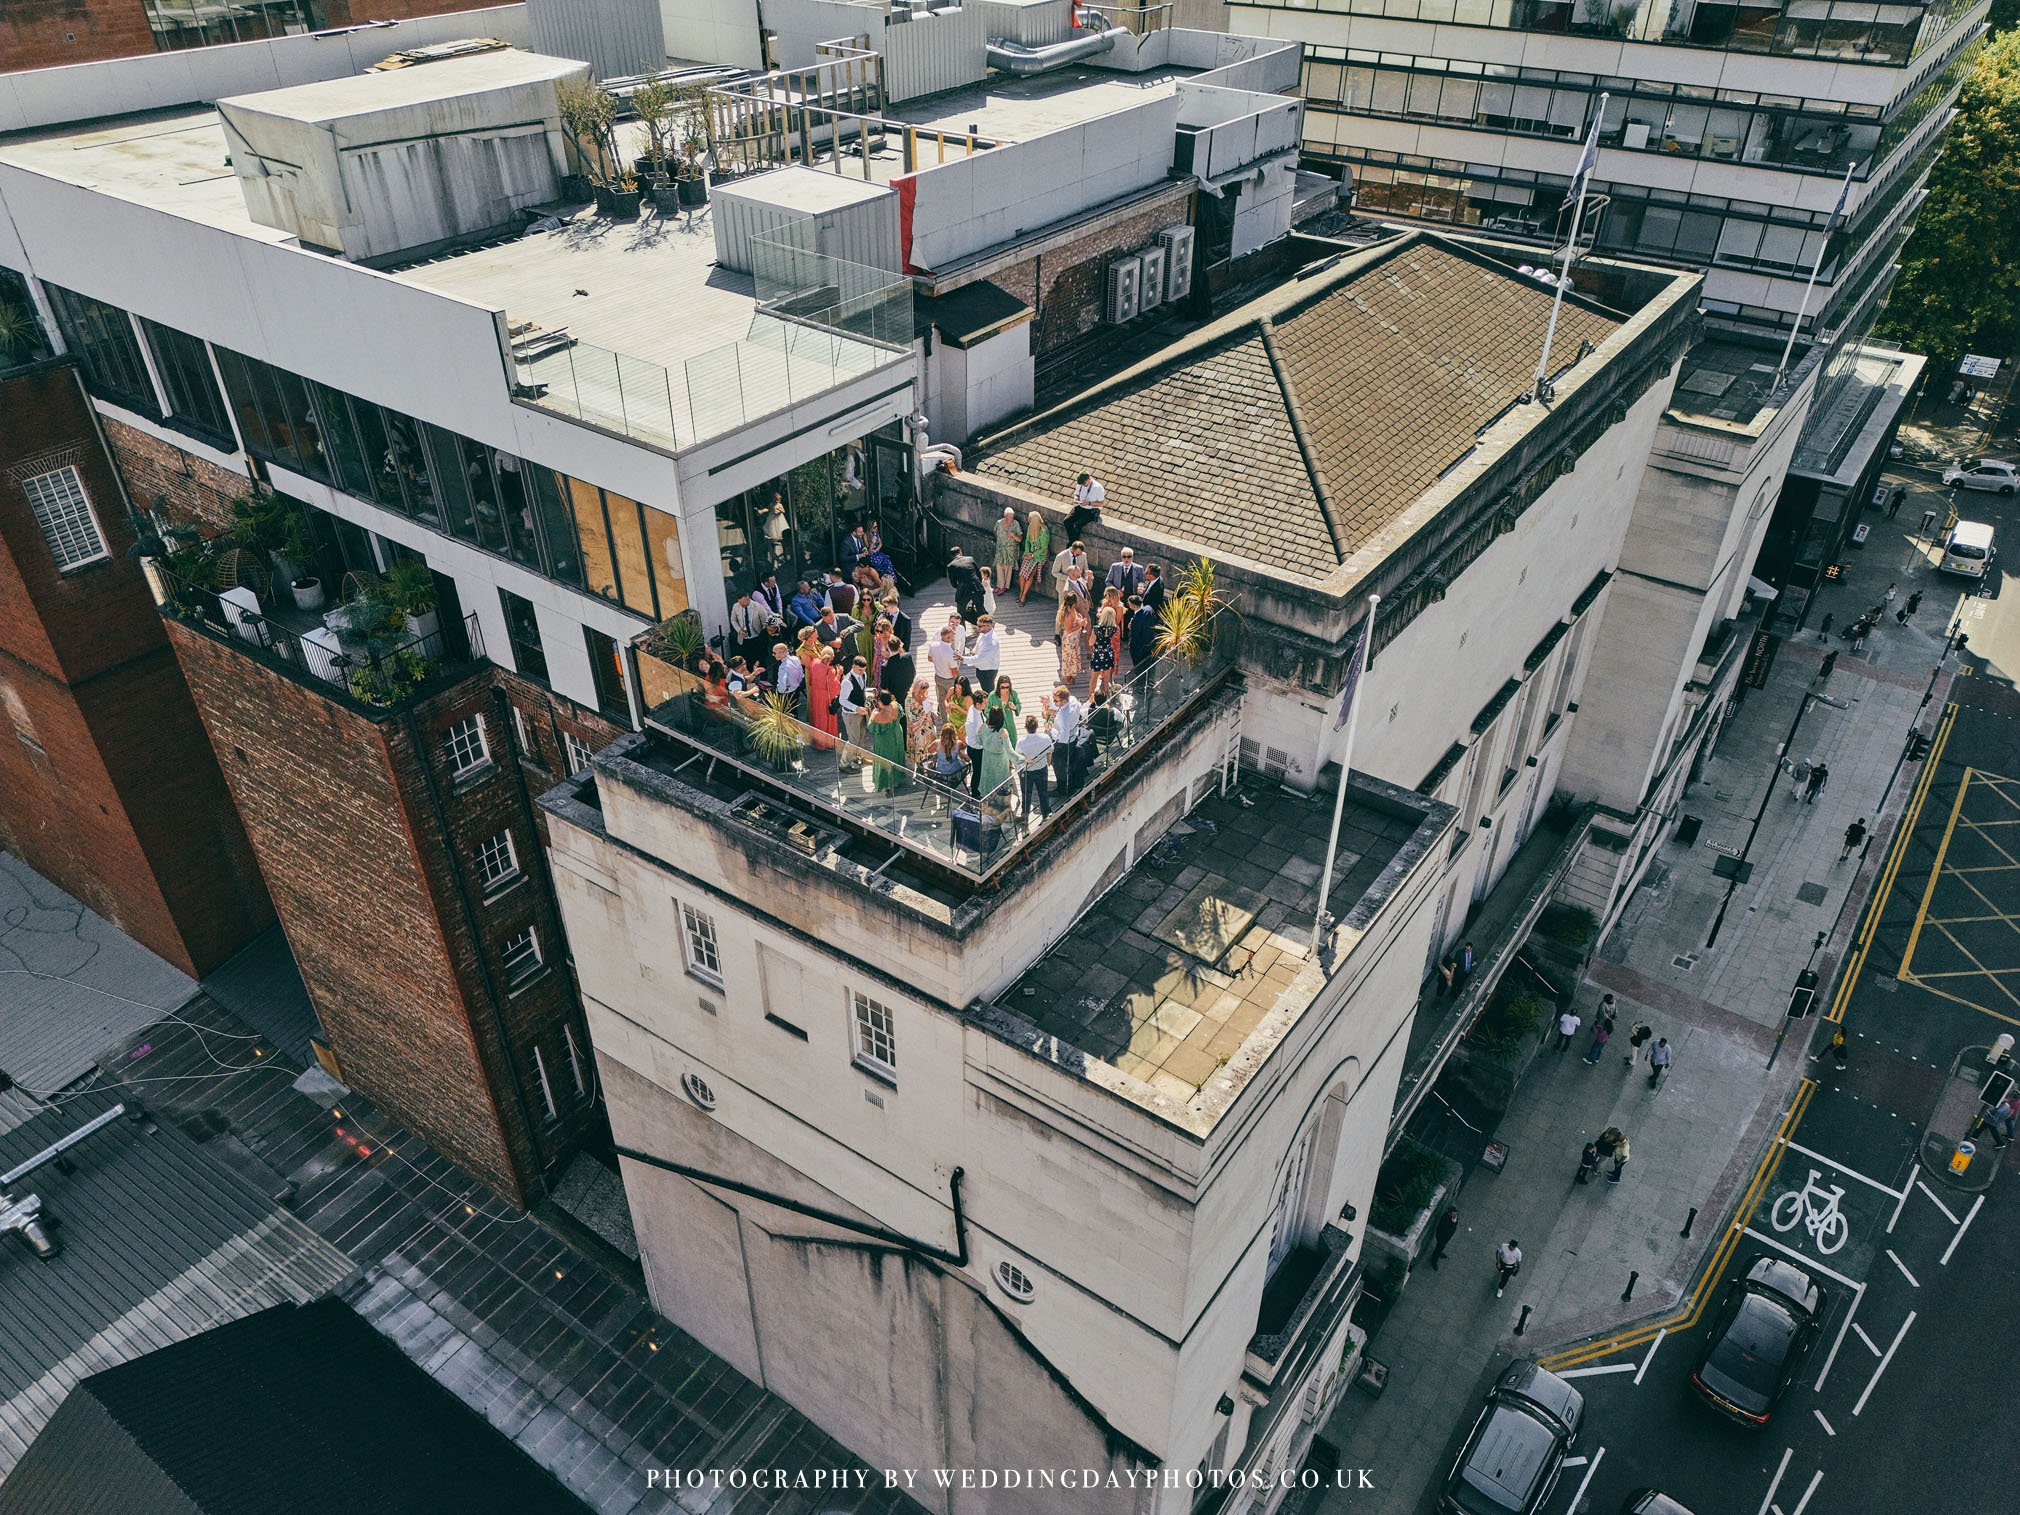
[1812, 894]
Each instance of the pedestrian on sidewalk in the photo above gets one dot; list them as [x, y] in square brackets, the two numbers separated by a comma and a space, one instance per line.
[1608, 1011]
[1447, 972]
[1567, 1027]
[1659, 1057]
[1619, 1158]
[1861, 629]
[1896, 500]
[1507, 1263]
[1914, 602]
[1588, 1163]
[1830, 662]
[1447, 1228]
[1855, 836]
[1602, 1033]
[1799, 775]
[1466, 962]
[1840, 1049]
[2001, 1118]
[1637, 1040]
[1824, 629]
[1820, 775]
[1888, 597]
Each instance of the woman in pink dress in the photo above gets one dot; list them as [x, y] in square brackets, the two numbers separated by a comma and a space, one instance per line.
[823, 685]
[1072, 639]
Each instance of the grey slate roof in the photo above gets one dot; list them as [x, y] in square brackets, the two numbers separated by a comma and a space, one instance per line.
[1384, 370]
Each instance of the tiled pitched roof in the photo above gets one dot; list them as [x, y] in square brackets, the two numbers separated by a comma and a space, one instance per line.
[1393, 367]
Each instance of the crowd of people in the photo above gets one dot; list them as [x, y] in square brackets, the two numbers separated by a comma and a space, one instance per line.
[841, 657]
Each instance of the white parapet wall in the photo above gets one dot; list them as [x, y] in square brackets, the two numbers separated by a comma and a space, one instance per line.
[120, 86]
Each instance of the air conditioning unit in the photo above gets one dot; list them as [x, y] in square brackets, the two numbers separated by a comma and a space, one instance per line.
[1177, 244]
[1125, 289]
[1151, 291]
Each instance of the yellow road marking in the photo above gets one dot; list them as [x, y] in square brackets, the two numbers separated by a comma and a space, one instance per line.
[1958, 999]
[1935, 872]
[1691, 1307]
[1892, 870]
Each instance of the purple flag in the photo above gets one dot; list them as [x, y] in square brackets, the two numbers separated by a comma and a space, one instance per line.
[1353, 679]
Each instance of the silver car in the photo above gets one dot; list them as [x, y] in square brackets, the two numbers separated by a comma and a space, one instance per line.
[1511, 1462]
[1983, 473]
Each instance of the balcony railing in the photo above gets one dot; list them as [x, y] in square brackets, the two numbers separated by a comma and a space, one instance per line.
[901, 801]
[376, 674]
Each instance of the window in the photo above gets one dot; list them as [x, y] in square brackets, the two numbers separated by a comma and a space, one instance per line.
[696, 1088]
[522, 630]
[1290, 1200]
[468, 749]
[64, 514]
[606, 664]
[522, 738]
[546, 1089]
[578, 756]
[101, 336]
[1014, 1281]
[703, 958]
[22, 339]
[195, 403]
[522, 958]
[876, 1035]
[497, 862]
[574, 1059]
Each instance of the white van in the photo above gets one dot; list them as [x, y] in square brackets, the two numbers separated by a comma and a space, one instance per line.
[1968, 549]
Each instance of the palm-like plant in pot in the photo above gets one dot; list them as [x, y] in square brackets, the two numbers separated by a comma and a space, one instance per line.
[775, 733]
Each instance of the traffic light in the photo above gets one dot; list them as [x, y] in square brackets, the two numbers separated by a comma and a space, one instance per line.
[1918, 746]
[1998, 1085]
[1803, 998]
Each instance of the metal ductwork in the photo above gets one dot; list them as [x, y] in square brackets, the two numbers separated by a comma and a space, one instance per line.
[1016, 58]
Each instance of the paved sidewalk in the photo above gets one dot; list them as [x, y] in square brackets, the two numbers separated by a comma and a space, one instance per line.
[1694, 1140]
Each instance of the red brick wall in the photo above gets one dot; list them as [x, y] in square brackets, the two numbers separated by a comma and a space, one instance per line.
[108, 786]
[155, 471]
[45, 33]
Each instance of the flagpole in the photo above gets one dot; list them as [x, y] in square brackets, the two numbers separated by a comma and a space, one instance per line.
[1815, 269]
[1354, 677]
[1587, 161]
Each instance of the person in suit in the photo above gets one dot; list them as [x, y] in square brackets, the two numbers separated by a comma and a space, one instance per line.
[1153, 589]
[1142, 634]
[965, 576]
[1123, 574]
[901, 624]
[770, 598]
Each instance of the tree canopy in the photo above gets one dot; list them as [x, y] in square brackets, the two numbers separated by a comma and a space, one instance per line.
[1959, 289]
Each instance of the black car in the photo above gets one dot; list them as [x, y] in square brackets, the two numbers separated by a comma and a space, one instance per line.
[1758, 1340]
[1510, 1463]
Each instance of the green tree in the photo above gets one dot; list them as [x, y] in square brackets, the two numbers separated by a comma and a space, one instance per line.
[1959, 289]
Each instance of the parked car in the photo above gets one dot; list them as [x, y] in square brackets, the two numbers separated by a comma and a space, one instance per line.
[1758, 1340]
[1651, 1502]
[1983, 473]
[1968, 550]
[1512, 1459]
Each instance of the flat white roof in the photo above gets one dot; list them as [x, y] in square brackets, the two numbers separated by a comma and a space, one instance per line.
[422, 84]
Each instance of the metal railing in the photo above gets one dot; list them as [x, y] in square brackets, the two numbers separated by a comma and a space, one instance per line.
[899, 799]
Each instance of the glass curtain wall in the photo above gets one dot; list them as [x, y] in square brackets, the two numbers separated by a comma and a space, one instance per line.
[195, 403]
[796, 524]
[102, 339]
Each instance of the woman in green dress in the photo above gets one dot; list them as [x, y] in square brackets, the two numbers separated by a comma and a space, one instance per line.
[887, 741]
[1037, 553]
[997, 757]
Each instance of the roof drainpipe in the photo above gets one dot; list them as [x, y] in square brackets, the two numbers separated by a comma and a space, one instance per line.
[1297, 420]
[1016, 58]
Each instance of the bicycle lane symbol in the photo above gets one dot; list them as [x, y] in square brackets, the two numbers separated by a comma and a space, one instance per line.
[1824, 1210]
[1816, 1208]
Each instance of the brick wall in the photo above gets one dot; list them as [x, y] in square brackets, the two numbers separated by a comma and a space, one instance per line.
[46, 33]
[156, 472]
[108, 785]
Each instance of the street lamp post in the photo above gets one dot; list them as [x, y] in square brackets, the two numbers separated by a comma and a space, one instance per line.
[1810, 697]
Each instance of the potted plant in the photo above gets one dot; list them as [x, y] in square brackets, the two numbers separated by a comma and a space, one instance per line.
[653, 103]
[1186, 627]
[678, 640]
[406, 600]
[623, 199]
[187, 578]
[692, 185]
[697, 143]
[774, 732]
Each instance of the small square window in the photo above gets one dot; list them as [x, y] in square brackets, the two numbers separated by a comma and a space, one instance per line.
[64, 513]
[577, 754]
[522, 957]
[704, 960]
[876, 1035]
[468, 748]
[497, 862]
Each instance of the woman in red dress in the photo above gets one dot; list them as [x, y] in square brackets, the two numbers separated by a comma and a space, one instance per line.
[823, 685]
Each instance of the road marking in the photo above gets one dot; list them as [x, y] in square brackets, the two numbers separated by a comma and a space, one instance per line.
[1904, 1269]
[1944, 1261]
[1885, 1358]
[1804, 1258]
[1935, 871]
[1899, 1204]
[1767, 1503]
[1858, 1298]
[1576, 1462]
[1815, 1479]
[1590, 1468]
[1887, 1189]
[1871, 1345]
[1824, 1423]
[1615, 1367]
[1947, 1215]
[1664, 1331]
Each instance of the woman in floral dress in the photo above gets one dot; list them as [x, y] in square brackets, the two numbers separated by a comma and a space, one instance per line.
[1072, 640]
[1037, 554]
[922, 721]
[1009, 548]
[1101, 664]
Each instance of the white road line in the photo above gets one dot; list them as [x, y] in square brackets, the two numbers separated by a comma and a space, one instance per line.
[1803, 1257]
[1871, 1345]
[1590, 1468]
[1857, 1295]
[1612, 1367]
[1947, 1215]
[1944, 1261]
[1824, 1423]
[1651, 1355]
[1887, 1189]
[1904, 1268]
[1899, 1204]
[1885, 1358]
[1767, 1502]
[1815, 1479]
[1575, 1462]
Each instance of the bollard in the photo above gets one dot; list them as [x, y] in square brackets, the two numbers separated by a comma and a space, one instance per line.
[1960, 1160]
[1523, 1324]
[1689, 1221]
[1628, 1293]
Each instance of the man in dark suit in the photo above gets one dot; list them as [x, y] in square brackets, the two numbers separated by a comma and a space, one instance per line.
[770, 598]
[1142, 634]
[966, 580]
[1123, 574]
[1153, 589]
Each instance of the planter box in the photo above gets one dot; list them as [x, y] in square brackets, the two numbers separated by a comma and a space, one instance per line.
[693, 192]
[1388, 1259]
[308, 594]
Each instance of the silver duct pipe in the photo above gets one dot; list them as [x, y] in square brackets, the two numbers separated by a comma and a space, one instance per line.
[1016, 58]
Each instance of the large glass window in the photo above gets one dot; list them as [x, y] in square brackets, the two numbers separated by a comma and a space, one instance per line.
[22, 339]
[195, 403]
[178, 24]
[102, 339]
[669, 574]
[556, 526]
[599, 573]
[607, 664]
[634, 562]
[522, 630]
